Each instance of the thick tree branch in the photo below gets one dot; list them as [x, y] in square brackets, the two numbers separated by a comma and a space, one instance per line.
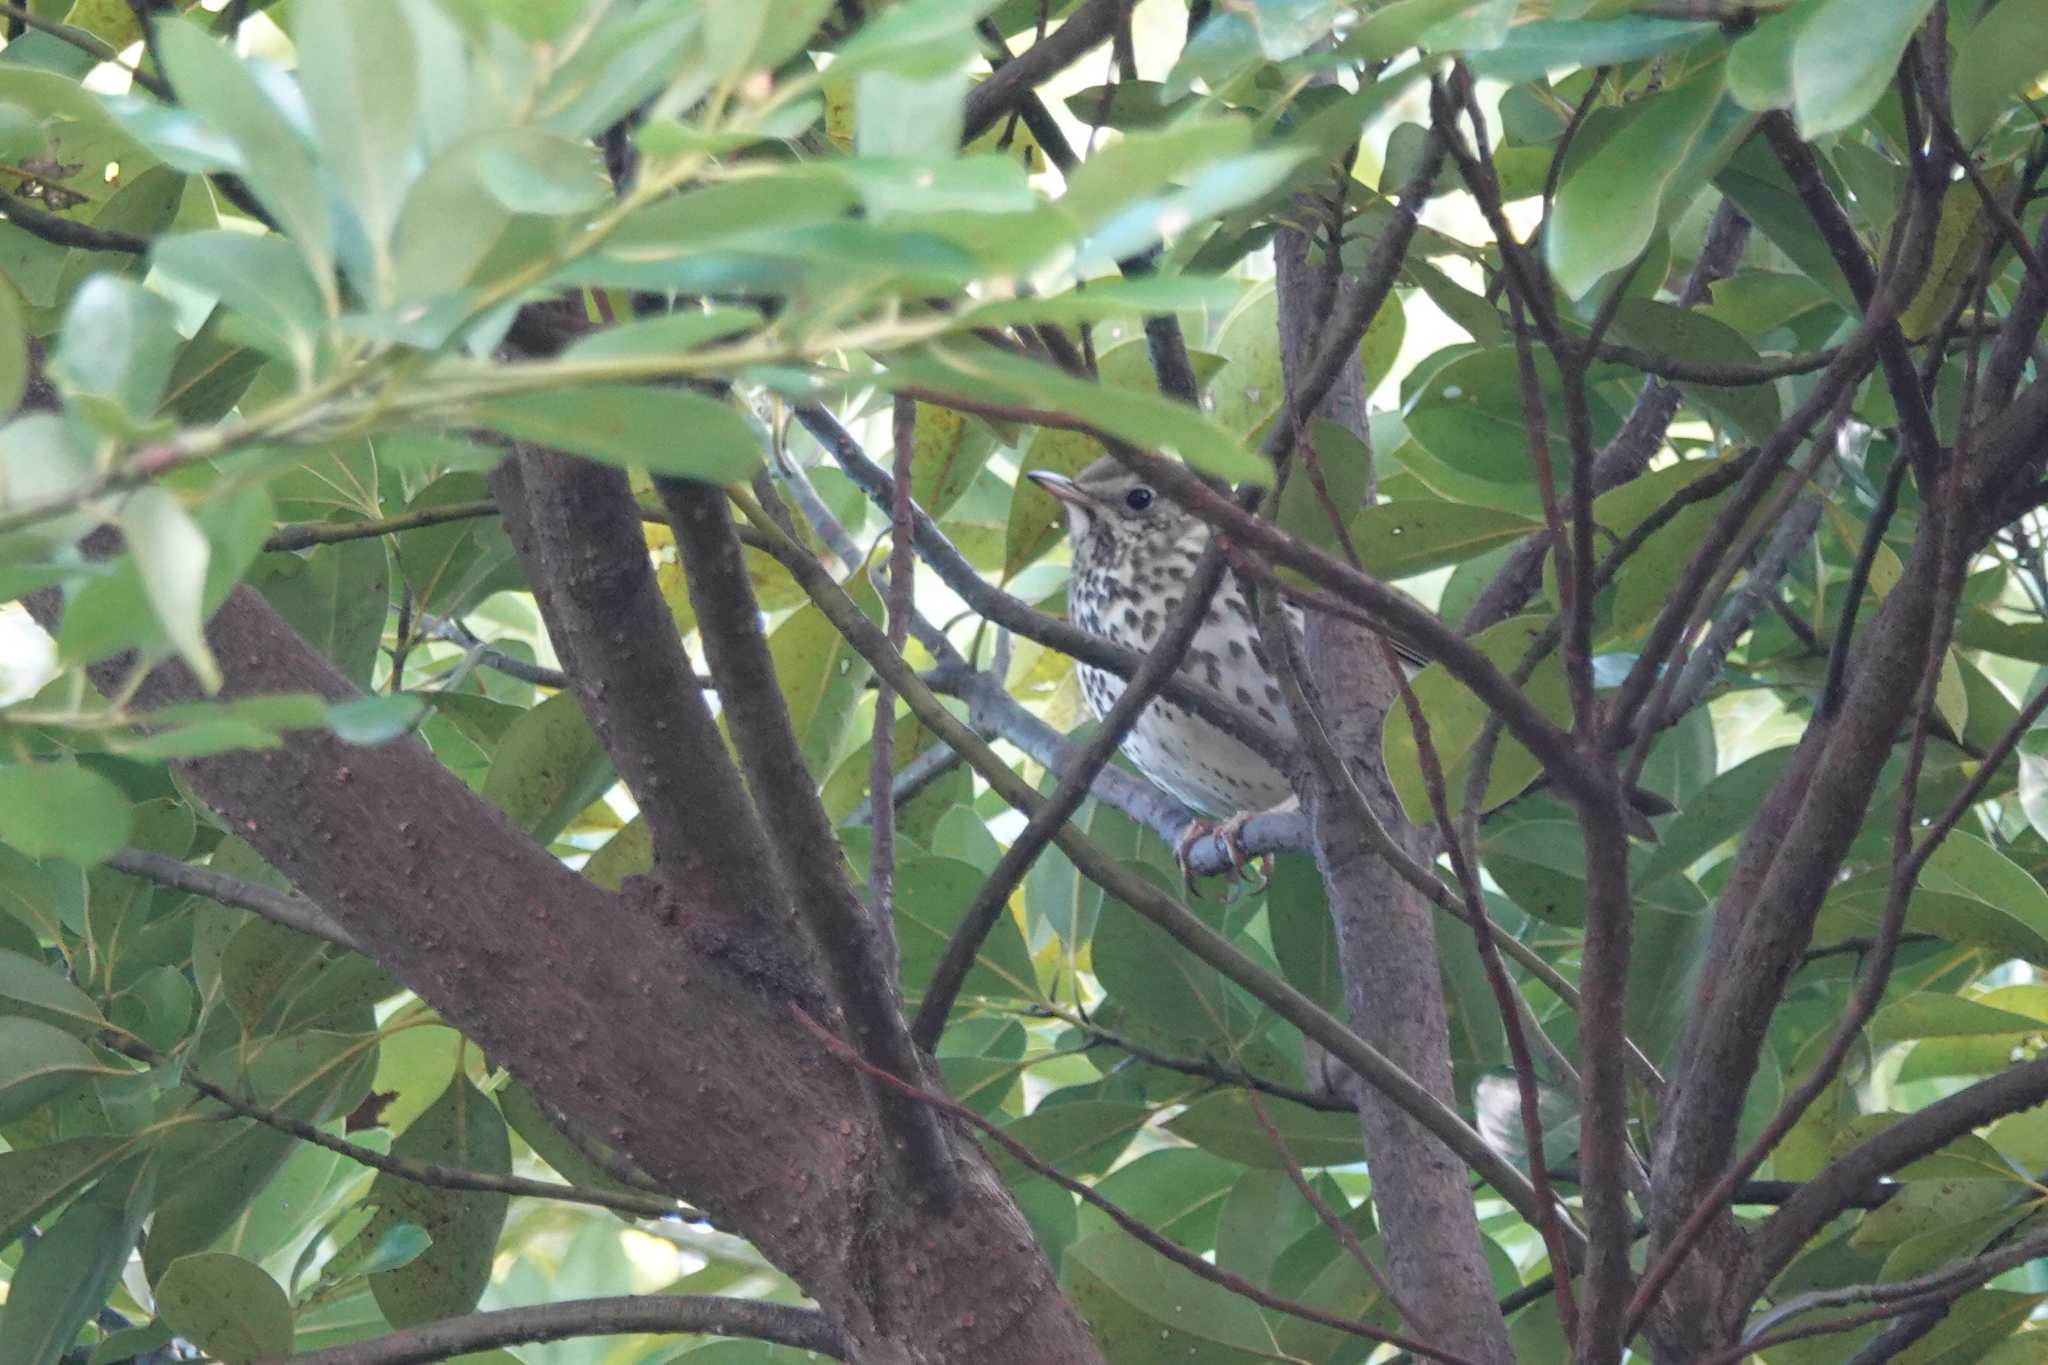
[602, 1003]
[1386, 933]
[578, 532]
[806, 1329]
[1085, 28]
[857, 955]
[1164, 1246]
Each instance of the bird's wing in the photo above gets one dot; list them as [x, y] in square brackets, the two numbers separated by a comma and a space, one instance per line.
[1413, 660]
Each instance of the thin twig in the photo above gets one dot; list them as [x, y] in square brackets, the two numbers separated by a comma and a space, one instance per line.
[805, 1329]
[442, 1176]
[882, 740]
[1340, 1229]
[306, 534]
[60, 231]
[1203, 1068]
[1080, 31]
[279, 907]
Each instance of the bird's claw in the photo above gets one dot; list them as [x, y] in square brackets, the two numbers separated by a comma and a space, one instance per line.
[1229, 834]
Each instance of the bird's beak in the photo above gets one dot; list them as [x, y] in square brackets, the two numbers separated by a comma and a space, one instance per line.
[1059, 485]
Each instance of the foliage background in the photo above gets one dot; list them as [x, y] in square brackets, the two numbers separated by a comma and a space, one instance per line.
[235, 398]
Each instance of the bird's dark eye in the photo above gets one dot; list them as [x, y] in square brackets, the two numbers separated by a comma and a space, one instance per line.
[1138, 499]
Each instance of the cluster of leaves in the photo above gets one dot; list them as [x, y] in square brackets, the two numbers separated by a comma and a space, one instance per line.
[303, 358]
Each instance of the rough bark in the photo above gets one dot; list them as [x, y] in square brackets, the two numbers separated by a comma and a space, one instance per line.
[660, 1017]
[1386, 935]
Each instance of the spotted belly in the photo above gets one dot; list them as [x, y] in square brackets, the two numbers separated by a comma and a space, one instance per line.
[1187, 757]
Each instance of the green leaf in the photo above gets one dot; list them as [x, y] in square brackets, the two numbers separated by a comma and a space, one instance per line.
[337, 597]
[222, 88]
[1126, 104]
[34, 1180]
[1142, 1307]
[1145, 419]
[1393, 28]
[821, 676]
[2006, 51]
[666, 431]
[359, 72]
[1531, 50]
[30, 988]
[1223, 1123]
[529, 170]
[1455, 716]
[1080, 1137]
[741, 38]
[1845, 56]
[1468, 415]
[1608, 207]
[21, 134]
[1304, 938]
[65, 1277]
[1969, 893]
[1760, 62]
[526, 1117]
[1928, 1014]
[1403, 538]
[1960, 234]
[374, 720]
[115, 346]
[452, 566]
[172, 554]
[53, 810]
[920, 31]
[13, 352]
[948, 451]
[913, 115]
[463, 1128]
[932, 894]
[39, 1062]
[688, 223]
[277, 305]
[548, 768]
[1758, 185]
[670, 335]
[226, 1306]
[1690, 335]
[1099, 300]
[259, 962]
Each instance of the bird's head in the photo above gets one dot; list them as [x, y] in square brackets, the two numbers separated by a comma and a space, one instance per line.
[1110, 510]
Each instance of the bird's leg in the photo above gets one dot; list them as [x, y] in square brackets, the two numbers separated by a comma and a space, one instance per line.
[1229, 833]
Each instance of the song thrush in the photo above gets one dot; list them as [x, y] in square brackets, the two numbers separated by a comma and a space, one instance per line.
[1133, 552]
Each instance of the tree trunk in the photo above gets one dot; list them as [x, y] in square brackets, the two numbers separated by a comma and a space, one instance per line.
[661, 1018]
[1385, 933]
